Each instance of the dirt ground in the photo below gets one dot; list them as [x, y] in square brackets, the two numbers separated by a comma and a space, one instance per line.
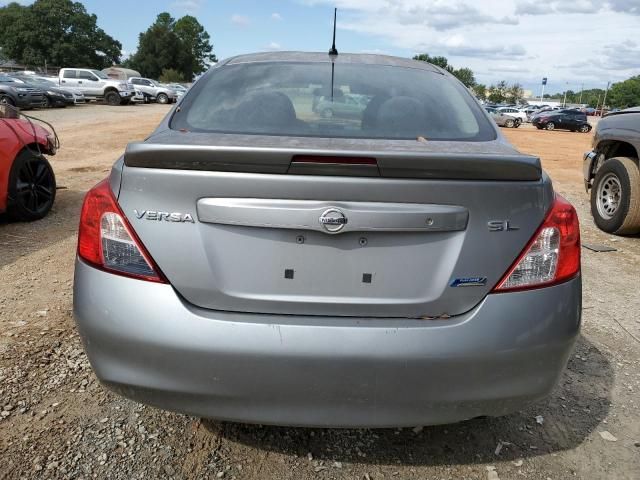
[57, 421]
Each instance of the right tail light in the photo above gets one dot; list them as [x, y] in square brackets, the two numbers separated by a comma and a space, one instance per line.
[553, 254]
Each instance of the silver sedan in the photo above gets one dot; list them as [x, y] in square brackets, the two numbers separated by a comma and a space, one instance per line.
[256, 261]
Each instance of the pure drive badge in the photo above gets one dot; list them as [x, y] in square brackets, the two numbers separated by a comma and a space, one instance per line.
[469, 282]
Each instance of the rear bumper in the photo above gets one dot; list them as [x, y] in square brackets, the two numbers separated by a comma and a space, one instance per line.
[147, 344]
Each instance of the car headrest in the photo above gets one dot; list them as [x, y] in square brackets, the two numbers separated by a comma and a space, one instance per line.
[404, 116]
[266, 108]
[371, 111]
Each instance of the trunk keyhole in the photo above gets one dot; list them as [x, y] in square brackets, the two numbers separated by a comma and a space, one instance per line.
[363, 241]
[300, 239]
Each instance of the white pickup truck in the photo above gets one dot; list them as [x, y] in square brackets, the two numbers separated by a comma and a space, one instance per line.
[95, 85]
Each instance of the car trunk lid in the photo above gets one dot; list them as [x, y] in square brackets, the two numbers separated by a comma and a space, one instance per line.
[412, 237]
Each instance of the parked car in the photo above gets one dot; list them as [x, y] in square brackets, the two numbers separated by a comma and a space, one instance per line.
[530, 110]
[342, 105]
[53, 96]
[19, 95]
[95, 85]
[513, 112]
[573, 120]
[153, 90]
[251, 261]
[503, 119]
[78, 96]
[141, 97]
[27, 181]
[178, 88]
[611, 173]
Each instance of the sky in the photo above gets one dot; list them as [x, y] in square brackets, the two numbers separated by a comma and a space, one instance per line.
[571, 42]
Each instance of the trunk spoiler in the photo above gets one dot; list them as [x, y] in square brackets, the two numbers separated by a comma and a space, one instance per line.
[390, 164]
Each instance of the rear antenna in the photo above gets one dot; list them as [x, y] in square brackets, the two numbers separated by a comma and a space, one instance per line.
[333, 50]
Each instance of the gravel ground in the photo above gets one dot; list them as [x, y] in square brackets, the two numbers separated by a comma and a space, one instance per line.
[57, 421]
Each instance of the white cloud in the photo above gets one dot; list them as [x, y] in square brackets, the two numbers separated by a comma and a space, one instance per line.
[533, 39]
[533, 7]
[276, 16]
[625, 6]
[240, 20]
[189, 6]
[273, 46]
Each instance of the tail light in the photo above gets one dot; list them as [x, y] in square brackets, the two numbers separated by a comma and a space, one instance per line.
[553, 254]
[107, 241]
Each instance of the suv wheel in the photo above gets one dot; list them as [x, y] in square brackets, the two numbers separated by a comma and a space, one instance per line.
[584, 128]
[615, 197]
[162, 98]
[6, 100]
[32, 187]
[550, 126]
[113, 98]
[509, 123]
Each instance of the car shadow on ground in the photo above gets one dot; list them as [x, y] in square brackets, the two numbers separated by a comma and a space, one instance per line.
[18, 239]
[577, 406]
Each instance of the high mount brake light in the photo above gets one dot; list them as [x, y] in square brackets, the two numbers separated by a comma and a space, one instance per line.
[321, 159]
[107, 241]
[553, 254]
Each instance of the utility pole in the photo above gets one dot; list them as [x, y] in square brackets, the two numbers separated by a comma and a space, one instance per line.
[581, 90]
[604, 101]
[564, 100]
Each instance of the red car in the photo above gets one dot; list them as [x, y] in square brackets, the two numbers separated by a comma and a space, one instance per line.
[27, 181]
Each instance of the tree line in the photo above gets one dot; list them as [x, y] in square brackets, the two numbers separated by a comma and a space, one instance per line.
[497, 93]
[621, 95]
[62, 33]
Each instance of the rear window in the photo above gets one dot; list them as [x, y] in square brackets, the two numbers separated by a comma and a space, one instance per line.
[367, 101]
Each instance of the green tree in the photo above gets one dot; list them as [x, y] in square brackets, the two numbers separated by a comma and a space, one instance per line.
[498, 93]
[480, 91]
[465, 75]
[197, 50]
[182, 45]
[441, 62]
[514, 93]
[170, 75]
[591, 97]
[55, 32]
[625, 94]
[158, 48]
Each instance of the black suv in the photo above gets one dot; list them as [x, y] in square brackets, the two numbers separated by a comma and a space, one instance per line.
[19, 94]
[573, 120]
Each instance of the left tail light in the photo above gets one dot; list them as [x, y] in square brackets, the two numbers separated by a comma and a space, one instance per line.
[107, 241]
